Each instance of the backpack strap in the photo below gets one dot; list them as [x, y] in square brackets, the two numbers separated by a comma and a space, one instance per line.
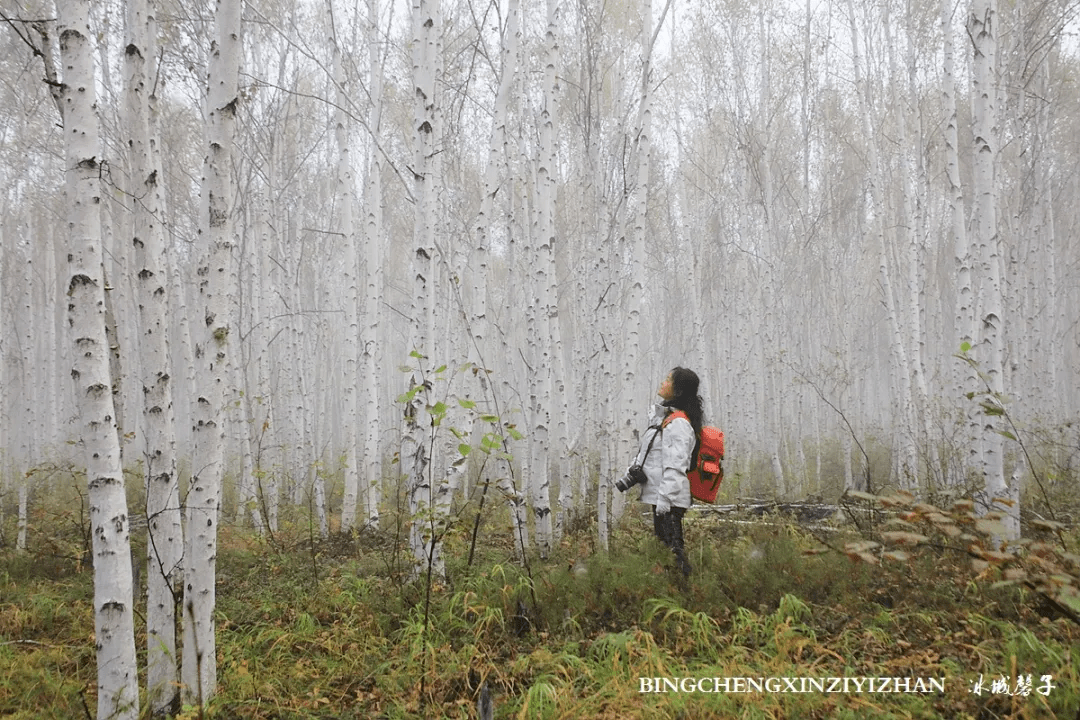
[697, 439]
[659, 428]
[651, 441]
[672, 415]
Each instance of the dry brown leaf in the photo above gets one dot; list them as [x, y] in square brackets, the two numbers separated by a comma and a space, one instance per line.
[904, 538]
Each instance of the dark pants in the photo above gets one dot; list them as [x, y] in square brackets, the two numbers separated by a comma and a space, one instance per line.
[668, 527]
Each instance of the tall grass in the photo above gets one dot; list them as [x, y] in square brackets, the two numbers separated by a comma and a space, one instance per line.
[349, 640]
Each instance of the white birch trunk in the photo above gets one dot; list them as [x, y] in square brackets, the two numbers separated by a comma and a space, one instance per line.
[482, 351]
[28, 364]
[901, 376]
[114, 628]
[509, 341]
[638, 203]
[373, 204]
[296, 418]
[603, 492]
[989, 350]
[45, 343]
[963, 377]
[183, 360]
[6, 381]
[23, 522]
[165, 535]
[909, 249]
[545, 239]
[247, 496]
[494, 173]
[199, 669]
[415, 456]
[351, 350]
[1053, 396]
[266, 480]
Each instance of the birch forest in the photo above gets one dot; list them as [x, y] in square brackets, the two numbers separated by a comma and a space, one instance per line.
[374, 265]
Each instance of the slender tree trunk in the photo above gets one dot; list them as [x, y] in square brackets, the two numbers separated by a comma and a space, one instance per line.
[28, 445]
[165, 535]
[114, 627]
[7, 241]
[901, 376]
[908, 248]
[373, 203]
[415, 451]
[545, 239]
[199, 670]
[352, 296]
[264, 426]
[183, 360]
[989, 350]
[1052, 390]
[964, 379]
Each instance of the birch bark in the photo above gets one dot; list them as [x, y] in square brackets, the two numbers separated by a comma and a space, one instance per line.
[496, 172]
[165, 535]
[6, 381]
[989, 348]
[267, 482]
[199, 667]
[901, 376]
[963, 378]
[352, 295]
[28, 362]
[638, 206]
[373, 202]
[114, 629]
[415, 456]
[909, 250]
[540, 442]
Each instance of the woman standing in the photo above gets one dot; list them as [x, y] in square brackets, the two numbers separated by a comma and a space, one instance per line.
[674, 430]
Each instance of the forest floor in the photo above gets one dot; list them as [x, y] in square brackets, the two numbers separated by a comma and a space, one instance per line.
[312, 628]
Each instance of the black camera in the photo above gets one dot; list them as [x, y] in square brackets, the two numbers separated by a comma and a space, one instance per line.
[634, 476]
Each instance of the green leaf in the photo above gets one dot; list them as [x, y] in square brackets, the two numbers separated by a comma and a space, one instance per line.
[490, 418]
[965, 347]
[514, 434]
[464, 449]
[1006, 434]
[410, 395]
[438, 408]
[440, 369]
[415, 354]
[467, 404]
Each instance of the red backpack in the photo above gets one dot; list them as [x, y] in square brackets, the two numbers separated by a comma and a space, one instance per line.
[706, 477]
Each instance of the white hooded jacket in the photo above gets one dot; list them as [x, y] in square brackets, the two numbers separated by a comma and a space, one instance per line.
[667, 462]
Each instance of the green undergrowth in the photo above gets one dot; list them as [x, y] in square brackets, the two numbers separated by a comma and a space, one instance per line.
[323, 630]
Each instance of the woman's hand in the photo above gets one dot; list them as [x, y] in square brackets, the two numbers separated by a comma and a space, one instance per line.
[663, 505]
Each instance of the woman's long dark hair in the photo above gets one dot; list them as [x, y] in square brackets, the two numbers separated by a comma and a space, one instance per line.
[684, 385]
